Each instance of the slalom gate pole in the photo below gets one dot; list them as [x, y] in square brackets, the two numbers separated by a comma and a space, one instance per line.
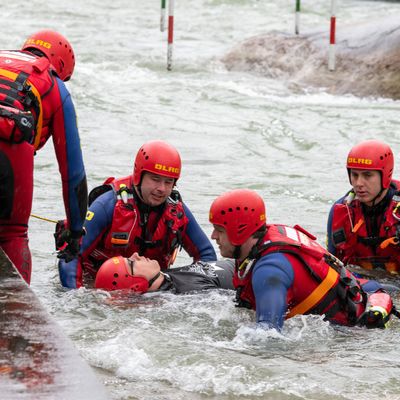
[297, 18]
[162, 16]
[170, 33]
[332, 39]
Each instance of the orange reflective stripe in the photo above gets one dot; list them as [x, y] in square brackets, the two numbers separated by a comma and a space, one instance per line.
[316, 295]
[40, 119]
[119, 241]
[8, 74]
[13, 76]
[357, 225]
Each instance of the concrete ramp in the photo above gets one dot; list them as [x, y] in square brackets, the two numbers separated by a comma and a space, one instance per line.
[36, 360]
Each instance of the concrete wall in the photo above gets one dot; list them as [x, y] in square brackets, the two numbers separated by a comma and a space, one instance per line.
[36, 360]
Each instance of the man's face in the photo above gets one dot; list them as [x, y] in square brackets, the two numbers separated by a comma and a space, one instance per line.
[143, 266]
[156, 188]
[366, 185]
[226, 248]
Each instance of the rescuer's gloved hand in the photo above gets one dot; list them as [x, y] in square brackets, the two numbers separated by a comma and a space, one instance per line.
[73, 245]
[61, 234]
[67, 242]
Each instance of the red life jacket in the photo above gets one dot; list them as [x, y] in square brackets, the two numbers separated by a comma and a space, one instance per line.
[24, 80]
[321, 284]
[350, 237]
[127, 232]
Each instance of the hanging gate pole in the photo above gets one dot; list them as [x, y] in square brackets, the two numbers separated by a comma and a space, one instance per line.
[297, 18]
[170, 33]
[162, 16]
[332, 39]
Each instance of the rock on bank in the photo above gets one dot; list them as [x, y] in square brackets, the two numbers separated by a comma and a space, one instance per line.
[367, 59]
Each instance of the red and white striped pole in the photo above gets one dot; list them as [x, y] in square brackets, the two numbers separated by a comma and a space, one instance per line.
[332, 39]
[162, 16]
[170, 33]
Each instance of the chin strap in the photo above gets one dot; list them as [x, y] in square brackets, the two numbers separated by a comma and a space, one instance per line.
[236, 252]
[152, 280]
[246, 265]
[395, 312]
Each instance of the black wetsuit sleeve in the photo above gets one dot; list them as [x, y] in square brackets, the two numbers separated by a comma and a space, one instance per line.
[185, 281]
[200, 276]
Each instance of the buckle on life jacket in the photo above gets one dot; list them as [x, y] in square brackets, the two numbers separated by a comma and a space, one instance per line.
[16, 125]
[15, 82]
[396, 210]
[349, 290]
[390, 241]
[349, 284]
[245, 267]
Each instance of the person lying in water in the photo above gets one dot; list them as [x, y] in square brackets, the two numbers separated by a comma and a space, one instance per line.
[141, 275]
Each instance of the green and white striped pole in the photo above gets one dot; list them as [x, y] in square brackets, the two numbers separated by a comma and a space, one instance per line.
[162, 17]
[297, 18]
[170, 33]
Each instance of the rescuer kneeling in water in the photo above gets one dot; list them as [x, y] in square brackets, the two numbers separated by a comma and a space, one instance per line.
[141, 275]
[142, 213]
[282, 271]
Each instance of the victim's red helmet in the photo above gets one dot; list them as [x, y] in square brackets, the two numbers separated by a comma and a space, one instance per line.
[241, 212]
[114, 274]
[159, 158]
[372, 155]
[56, 48]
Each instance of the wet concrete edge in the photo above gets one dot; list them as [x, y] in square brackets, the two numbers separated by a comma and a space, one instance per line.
[36, 359]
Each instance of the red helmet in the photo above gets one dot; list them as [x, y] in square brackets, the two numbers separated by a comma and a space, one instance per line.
[159, 158]
[114, 274]
[241, 212]
[372, 155]
[56, 48]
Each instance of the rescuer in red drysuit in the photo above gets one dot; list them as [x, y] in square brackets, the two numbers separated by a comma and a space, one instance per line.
[364, 225]
[34, 105]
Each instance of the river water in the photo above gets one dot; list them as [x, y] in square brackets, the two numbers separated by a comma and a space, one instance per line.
[233, 130]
